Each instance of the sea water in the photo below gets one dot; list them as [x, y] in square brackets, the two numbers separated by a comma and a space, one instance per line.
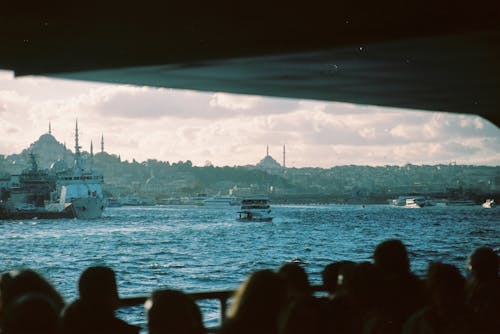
[200, 248]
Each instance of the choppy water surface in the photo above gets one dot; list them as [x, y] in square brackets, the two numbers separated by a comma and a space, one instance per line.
[204, 248]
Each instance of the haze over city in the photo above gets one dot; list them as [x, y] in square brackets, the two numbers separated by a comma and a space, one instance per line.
[226, 129]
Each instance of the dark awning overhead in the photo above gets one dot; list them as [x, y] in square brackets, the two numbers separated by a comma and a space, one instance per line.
[427, 55]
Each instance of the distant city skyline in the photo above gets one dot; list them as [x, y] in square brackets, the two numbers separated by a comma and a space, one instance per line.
[227, 129]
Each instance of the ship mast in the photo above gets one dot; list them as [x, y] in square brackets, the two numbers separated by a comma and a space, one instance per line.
[78, 161]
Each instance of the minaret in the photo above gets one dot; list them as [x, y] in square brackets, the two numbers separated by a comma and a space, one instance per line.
[91, 155]
[78, 160]
[267, 151]
[77, 147]
[50, 128]
[284, 166]
[102, 143]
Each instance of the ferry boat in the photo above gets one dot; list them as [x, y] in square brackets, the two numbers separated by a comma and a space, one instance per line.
[78, 188]
[255, 209]
[221, 200]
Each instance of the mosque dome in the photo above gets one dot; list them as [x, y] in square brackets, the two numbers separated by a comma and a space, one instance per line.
[268, 163]
[47, 138]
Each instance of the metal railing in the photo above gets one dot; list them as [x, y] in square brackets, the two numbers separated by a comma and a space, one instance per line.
[222, 296]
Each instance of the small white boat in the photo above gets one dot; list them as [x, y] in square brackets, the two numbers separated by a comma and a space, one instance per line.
[255, 209]
[412, 203]
[489, 203]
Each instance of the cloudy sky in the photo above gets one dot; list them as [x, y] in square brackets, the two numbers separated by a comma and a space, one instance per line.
[226, 129]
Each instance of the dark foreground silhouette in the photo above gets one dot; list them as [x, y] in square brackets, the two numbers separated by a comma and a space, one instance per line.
[382, 297]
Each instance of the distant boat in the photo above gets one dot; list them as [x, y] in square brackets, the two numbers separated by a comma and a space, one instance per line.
[136, 200]
[460, 202]
[412, 203]
[194, 200]
[255, 209]
[221, 200]
[489, 203]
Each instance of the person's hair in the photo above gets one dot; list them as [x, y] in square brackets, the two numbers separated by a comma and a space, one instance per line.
[391, 257]
[259, 299]
[172, 311]
[296, 279]
[17, 283]
[97, 285]
[330, 275]
[446, 285]
[31, 313]
[484, 263]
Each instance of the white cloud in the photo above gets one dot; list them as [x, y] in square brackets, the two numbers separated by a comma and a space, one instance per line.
[234, 102]
[227, 129]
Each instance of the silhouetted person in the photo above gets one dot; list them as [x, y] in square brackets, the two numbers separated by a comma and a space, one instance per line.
[330, 276]
[303, 315]
[256, 305]
[296, 280]
[446, 311]
[173, 312]
[483, 289]
[32, 313]
[94, 311]
[356, 298]
[17, 283]
[402, 292]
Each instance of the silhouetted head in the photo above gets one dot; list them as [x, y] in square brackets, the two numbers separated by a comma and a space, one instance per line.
[391, 257]
[330, 275]
[296, 280]
[17, 283]
[259, 299]
[484, 263]
[171, 311]
[446, 286]
[97, 285]
[360, 283]
[32, 313]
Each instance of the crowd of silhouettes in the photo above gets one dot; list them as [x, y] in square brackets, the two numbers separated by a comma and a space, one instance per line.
[379, 297]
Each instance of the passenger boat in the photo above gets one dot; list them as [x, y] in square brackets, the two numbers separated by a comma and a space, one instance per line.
[489, 203]
[255, 209]
[221, 200]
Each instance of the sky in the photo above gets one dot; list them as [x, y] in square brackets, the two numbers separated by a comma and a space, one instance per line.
[228, 129]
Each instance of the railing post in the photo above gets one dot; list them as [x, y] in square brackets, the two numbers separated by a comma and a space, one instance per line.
[223, 307]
